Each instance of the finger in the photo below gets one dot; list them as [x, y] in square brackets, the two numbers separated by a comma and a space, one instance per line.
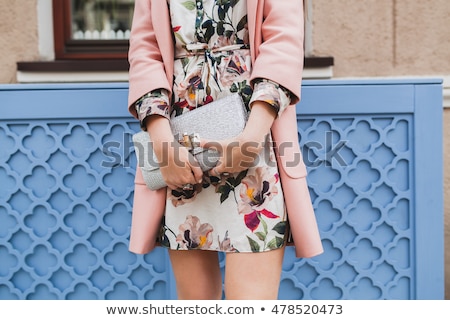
[217, 171]
[214, 172]
[172, 186]
[198, 174]
[196, 171]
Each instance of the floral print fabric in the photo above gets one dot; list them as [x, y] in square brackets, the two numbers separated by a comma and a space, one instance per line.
[242, 212]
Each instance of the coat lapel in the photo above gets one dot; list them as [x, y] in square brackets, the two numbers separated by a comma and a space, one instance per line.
[163, 31]
[252, 13]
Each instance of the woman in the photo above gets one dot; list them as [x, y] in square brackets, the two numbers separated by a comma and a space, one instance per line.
[184, 54]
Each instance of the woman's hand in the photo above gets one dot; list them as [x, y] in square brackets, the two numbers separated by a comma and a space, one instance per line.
[178, 167]
[240, 153]
[236, 154]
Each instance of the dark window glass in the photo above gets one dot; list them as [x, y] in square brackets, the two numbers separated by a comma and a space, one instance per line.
[92, 29]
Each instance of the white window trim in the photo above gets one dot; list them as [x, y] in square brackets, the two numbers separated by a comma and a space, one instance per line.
[308, 28]
[45, 30]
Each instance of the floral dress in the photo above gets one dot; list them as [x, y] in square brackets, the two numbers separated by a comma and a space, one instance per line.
[243, 212]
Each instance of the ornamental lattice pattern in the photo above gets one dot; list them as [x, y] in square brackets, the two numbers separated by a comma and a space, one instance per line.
[66, 190]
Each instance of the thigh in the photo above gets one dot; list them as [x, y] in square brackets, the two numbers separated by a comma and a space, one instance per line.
[254, 276]
[197, 274]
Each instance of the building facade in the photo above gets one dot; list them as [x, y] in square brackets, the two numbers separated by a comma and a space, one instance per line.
[366, 39]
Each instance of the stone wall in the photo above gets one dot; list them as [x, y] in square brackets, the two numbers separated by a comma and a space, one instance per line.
[19, 37]
[383, 37]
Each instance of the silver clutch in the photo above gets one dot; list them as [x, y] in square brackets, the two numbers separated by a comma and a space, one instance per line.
[221, 119]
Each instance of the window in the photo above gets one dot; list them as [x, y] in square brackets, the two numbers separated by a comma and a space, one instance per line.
[90, 43]
[92, 29]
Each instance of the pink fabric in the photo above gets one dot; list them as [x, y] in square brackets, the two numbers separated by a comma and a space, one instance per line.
[148, 210]
[302, 219]
[151, 67]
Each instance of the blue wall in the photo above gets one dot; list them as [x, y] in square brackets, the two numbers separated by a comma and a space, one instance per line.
[374, 154]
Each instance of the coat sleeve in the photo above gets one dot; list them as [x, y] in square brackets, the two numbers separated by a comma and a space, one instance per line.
[280, 54]
[146, 71]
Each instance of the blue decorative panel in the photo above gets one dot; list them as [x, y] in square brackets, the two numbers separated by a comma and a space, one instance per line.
[360, 185]
[65, 199]
[66, 188]
[377, 194]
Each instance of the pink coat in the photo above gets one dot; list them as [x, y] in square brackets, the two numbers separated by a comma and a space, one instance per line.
[277, 54]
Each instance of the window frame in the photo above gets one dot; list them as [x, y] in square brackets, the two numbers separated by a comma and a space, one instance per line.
[61, 63]
[67, 48]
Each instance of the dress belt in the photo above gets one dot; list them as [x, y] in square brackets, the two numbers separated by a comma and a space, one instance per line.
[196, 49]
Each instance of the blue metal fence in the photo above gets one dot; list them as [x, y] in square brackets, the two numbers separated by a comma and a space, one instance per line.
[374, 155]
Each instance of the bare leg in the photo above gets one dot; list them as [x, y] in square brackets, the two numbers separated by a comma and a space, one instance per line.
[254, 276]
[197, 274]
